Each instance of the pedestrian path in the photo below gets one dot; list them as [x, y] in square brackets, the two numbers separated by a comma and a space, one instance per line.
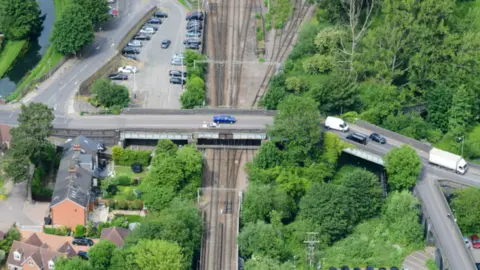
[417, 259]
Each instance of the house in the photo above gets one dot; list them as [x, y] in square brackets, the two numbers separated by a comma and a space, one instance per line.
[115, 235]
[5, 137]
[71, 199]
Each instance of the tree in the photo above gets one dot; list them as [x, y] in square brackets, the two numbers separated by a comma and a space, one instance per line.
[12, 235]
[439, 101]
[100, 255]
[97, 10]
[20, 19]
[158, 255]
[2, 255]
[74, 263]
[268, 156]
[465, 205]
[296, 125]
[261, 239]
[379, 100]
[464, 110]
[157, 198]
[265, 263]
[109, 94]
[164, 171]
[365, 192]
[29, 139]
[165, 147]
[276, 92]
[123, 259]
[191, 164]
[195, 93]
[72, 31]
[403, 167]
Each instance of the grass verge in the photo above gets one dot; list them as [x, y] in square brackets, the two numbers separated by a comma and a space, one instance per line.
[10, 52]
[125, 170]
[184, 3]
[133, 218]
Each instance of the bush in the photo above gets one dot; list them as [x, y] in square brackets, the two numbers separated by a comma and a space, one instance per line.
[80, 230]
[49, 230]
[125, 205]
[2, 255]
[127, 157]
[121, 180]
[62, 231]
[110, 95]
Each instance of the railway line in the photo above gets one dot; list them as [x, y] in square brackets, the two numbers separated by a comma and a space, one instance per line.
[220, 204]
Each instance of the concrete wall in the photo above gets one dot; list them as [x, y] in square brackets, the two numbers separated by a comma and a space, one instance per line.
[140, 111]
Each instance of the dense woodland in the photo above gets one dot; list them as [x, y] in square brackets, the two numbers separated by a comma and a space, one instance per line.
[378, 60]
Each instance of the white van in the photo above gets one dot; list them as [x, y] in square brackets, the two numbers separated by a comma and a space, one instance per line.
[336, 123]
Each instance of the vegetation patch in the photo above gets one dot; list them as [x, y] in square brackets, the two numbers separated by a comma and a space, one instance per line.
[194, 94]
[127, 157]
[279, 12]
[127, 171]
[9, 53]
[260, 35]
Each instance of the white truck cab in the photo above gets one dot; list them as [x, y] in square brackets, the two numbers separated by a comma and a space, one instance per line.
[336, 124]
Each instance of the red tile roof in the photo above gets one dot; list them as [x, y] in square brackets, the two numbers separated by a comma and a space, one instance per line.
[115, 235]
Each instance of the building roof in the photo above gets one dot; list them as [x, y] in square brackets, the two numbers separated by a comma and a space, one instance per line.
[40, 256]
[68, 249]
[34, 240]
[5, 133]
[115, 235]
[74, 176]
[62, 244]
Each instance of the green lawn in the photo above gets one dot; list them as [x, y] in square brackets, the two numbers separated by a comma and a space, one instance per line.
[10, 52]
[126, 170]
[133, 218]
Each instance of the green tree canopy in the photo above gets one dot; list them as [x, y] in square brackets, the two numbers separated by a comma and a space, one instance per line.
[157, 198]
[100, 255]
[74, 263]
[158, 255]
[97, 10]
[20, 19]
[268, 156]
[403, 168]
[265, 263]
[72, 31]
[165, 147]
[194, 95]
[109, 94]
[261, 239]
[466, 207]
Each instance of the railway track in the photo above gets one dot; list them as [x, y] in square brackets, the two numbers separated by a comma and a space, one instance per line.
[218, 19]
[281, 45]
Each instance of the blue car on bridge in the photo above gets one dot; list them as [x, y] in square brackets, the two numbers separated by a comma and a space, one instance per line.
[224, 119]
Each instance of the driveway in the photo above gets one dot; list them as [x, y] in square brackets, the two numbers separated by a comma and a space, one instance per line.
[11, 210]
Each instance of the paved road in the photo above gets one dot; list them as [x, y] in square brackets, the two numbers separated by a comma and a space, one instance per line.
[11, 210]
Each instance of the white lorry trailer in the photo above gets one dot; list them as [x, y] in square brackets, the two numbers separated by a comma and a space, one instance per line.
[447, 160]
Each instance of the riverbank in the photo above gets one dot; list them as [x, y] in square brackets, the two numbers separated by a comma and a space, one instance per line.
[9, 53]
[49, 60]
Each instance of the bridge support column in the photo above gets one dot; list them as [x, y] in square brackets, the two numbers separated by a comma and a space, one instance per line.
[192, 141]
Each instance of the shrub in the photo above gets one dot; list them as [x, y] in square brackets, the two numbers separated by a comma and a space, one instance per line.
[80, 230]
[127, 157]
[49, 230]
[122, 180]
[62, 231]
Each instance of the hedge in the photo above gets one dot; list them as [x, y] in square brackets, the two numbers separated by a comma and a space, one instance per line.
[127, 157]
[125, 205]
[62, 230]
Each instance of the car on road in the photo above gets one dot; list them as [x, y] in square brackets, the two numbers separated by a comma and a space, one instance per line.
[133, 57]
[377, 138]
[194, 34]
[83, 255]
[154, 21]
[137, 168]
[177, 73]
[467, 242]
[178, 55]
[210, 125]
[130, 50]
[82, 242]
[177, 62]
[135, 43]
[141, 37]
[110, 1]
[166, 43]
[475, 241]
[118, 77]
[176, 80]
[147, 30]
[336, 124]
[224, 119]
[358, 137]
[127, 69]
[160, 14]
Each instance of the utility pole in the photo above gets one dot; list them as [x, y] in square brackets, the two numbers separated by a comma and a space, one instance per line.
[311, 243]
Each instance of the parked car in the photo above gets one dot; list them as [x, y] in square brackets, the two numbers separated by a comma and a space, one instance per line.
[177, 73]
[356, 268]
[382, 268]
[130, 50]
[178, 55]
[154, 21]
[110, 1]
[176, 80]
[377, 138]
[194, 15]
[332, 268]
[192, 41]
[118, 77]
[369, 267]
[344, 268]
[166, 43]
[192, 47]
[101, 148]
[394, 268]
[160, 14]
[193, 28]
[127, 69]
[195, 23]
[141, 37]
[130, 56]
[135, 43]
[155, 27]
[358, 137]
[83, 242]
[195, 34]
[147, 30]
[83, 255]
[137, 168]
[177, 62]
[475, 241]
[224, 119]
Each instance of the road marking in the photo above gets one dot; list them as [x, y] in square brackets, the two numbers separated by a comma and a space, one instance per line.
[97, 48]
[55, 107]
[76, 82]
[84, 68]
[113, 44]
[50, 99]
[11, 114]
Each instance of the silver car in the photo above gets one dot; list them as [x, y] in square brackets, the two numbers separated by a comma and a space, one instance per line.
[135, 43]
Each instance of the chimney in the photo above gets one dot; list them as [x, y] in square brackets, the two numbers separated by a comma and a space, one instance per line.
[76, 147]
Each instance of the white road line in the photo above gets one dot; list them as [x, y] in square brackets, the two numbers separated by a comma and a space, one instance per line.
[66, 120]
[11, 114]
[76, 82]
[97, 48]
[84, 68]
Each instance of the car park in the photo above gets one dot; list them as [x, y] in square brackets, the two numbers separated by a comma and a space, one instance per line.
[83, 254]
[135, 43]
[166, 43]
[193, 34]
[377, 138]
[83, 242]
[118, 77]
[147, 30]
[475, 241]
[177, 73]
[127, 69]
[224, 119]
[176, 80]
[358, 137]
[160, 14]
[210, 125]
[154, 21]
[141, 37]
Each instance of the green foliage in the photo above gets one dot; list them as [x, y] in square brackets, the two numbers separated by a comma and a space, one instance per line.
[194, 95]
[280, 11]
[9, 54]
[269, 156]
[80, 230]
[127, 157]
[157, 254]
[261, 239]
[412, 125]
[72, 264]
[466, 207]
[62, 230]
[332, 148]
[20, 19]
[2, 255]
[157, 198]
[403, 168]
[97, 10]
[265, 263]
[109, 94]
[165, 147]
[276, 92]
[431, 265]
[73, 30]
[12, 234]
[99, 255]
[463, 111]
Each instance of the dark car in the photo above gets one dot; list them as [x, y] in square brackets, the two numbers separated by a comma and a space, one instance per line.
[177, 73]
[194, 23]
[224, 119]
[141, 37]
[137, 168]
[130, 56]
[154, 21]
[130, 50]
[382, 268]
[166, 43]
[118, 76]
[101, 147]
[194, 28]
[194, 15]
[176, 80]
[357, 137]
[369, 267]
[377, 138]
[83, 242]
[344, 268]
[192, 47]
[193, 34]
[192, 41]
[332, 268]
[160, 14]
[151, 26]
[356, 268]
[83, 255]
[394, 268]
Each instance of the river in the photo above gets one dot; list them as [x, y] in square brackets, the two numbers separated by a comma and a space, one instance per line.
[32, 56]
